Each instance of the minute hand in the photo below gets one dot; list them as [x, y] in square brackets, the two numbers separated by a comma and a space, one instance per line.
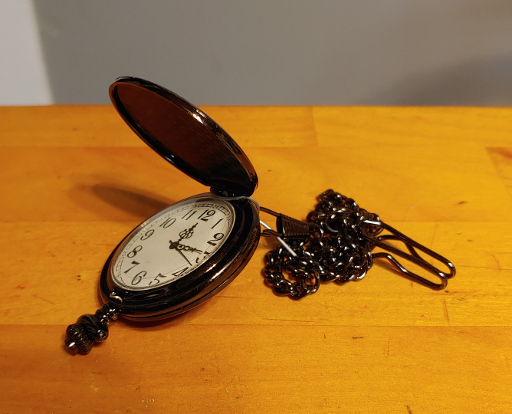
[174, 245]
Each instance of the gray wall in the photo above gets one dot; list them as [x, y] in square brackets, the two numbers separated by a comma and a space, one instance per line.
[274, 52]
[23, 78]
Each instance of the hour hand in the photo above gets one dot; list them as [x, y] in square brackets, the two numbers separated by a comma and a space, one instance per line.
[189, 249]
[178, 246]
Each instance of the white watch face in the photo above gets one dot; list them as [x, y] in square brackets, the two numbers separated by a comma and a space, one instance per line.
[172, 243]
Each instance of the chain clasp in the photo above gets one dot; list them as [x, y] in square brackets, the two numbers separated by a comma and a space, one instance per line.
[413, 255]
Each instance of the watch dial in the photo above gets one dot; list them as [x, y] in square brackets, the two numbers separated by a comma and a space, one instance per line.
[172, 243]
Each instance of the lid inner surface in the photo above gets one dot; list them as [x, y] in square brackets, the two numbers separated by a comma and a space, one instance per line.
[186, 137]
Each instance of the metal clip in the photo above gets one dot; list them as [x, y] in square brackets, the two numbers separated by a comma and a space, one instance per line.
[286, 227]
[413, 256]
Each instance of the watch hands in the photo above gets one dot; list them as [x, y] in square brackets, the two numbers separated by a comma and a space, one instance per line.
[179, 247]
[184, 234]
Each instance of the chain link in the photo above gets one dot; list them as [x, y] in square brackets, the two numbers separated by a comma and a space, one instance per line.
[338, 248]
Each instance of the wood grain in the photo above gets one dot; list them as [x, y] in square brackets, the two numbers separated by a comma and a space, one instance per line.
[75, 180]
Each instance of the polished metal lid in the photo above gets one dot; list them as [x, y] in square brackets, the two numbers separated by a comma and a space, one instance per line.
[184, 135]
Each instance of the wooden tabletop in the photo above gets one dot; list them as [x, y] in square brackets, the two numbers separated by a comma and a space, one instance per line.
[75, 180]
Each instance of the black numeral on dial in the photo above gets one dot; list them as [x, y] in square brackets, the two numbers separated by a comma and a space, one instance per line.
[216, 238]
[180, 272]
[138, 277]
[134, 252]
[147, 234]
[218, 221]
[134, 263]
[168, 223]
[156, 280]
[189, 214]
[205, 215]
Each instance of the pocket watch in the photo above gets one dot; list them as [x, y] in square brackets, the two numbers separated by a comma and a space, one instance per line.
[186, 253]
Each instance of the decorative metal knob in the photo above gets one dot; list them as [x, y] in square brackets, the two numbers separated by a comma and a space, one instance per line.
[89, 330]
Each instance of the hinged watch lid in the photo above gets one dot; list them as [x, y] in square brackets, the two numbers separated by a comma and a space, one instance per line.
[184, 135]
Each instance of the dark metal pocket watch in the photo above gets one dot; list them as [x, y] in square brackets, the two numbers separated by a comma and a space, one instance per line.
[186, 253]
